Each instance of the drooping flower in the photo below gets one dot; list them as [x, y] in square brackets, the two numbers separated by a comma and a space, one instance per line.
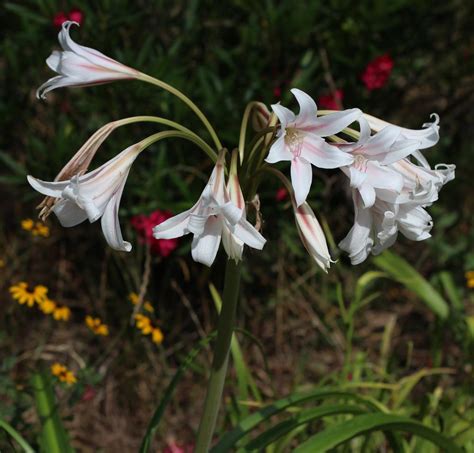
[377, 72]
[312, 235]
[300, 141]
[428, 136]
[81, 66]
[207, 219]
[144, 226]
[331, 101]
[92, 196]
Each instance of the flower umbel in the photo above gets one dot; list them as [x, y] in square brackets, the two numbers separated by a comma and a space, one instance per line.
[207, 219]
[81, 66]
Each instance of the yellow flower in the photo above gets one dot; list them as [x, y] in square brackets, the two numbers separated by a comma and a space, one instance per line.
[40, 229]
[157, 335]
[63, 374]
[97, 326]
[47, 306]
[62, 313]
[469, 279]
[2, 263]
[143, 323]
[133, 298]
[27, 224]
[20, 293]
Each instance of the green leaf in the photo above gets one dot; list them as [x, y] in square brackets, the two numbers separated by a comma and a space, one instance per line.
[363, 424]
[304, 417]
[155, 420]
[53, 437]
[17, 436]
[407, 275]
[247, 424]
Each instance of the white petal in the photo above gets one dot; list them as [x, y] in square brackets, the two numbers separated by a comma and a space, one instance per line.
[174, 227]
[323, 155]
[399, 151]
[415, 223]
[233, 247]
[53, 60]
[381, 141]
[367, 194]
[301, 178]
[308, 110]
[357, 177]
[358, 242]
[231, 212]
[204, 248]
[383, 177]
[111, 224]
[335, 122]
[246, 232]
[197, 223]
[68, 213]
[51, 189]
[279, 151]
[285, 116]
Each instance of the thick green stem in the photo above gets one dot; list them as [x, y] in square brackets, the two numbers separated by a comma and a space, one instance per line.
[215, 385]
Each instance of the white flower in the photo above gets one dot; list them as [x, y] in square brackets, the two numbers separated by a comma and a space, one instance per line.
[376, 228]
[372, 158]
[92, 196]
[81, 66]
[213, 216]
[300, 141]
[312, 235]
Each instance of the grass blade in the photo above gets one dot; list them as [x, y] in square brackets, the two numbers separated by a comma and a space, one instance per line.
[155, 420]
[364, 424]
[399, 269]
[16, 436]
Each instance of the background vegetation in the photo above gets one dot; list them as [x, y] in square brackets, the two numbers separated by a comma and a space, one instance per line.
[378, 333]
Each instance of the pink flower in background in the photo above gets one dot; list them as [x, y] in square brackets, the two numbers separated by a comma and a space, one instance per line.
[281, 194]
[144, 226]
[58, 19]
[76, 15]
[377, 72]
[332, 101]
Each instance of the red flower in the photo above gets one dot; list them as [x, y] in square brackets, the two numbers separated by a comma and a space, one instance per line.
[76, 15]
[277, 92]
[331, 101]
[281, 194]
[58, 19]
[89, 393]
[144, 226]
[377, 72]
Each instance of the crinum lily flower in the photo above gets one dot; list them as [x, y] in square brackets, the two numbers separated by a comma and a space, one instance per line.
[207, 220]
[376, 228]
[312, 235]
[300, 141]
[372, 157]
[81, 66]
[93, 195]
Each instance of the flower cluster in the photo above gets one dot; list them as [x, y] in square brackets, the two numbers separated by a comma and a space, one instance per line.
[97, 326]
[390, 180]
[36, 228]
[63, 373]
[145, 325]
[144, 226]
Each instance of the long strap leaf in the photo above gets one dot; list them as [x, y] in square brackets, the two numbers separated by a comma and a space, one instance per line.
[155, 420]
[362, 424]
[247, 424]
[17, 436]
